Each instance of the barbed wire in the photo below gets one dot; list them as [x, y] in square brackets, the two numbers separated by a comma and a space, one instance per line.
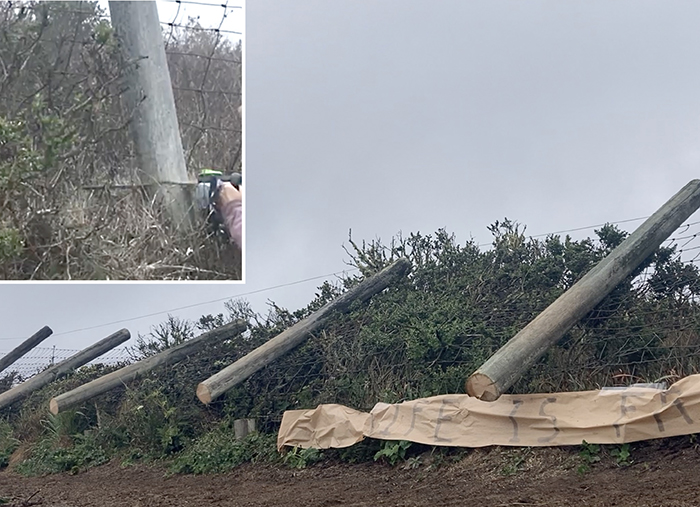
[198, 28]
[183, 89]
[215, 58]
[208, 4]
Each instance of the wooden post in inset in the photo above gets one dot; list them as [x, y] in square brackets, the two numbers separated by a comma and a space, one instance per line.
[128, 373]
[63, 368]
[217, 384]
[25, 347]
[150, 95]
[510, 361]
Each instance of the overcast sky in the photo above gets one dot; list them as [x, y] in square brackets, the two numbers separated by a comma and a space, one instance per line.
[385, 116]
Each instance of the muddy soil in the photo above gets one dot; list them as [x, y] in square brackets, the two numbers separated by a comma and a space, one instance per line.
[664, 473]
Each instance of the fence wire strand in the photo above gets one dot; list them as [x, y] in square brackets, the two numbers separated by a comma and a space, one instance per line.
[40, 358]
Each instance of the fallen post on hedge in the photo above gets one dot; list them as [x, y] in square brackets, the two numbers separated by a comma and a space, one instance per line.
[120, 377]
[63, 368]
[25, 347]
[510, 361]
[217, 384]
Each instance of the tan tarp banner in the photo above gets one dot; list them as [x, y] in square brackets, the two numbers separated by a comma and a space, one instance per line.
[603, 417]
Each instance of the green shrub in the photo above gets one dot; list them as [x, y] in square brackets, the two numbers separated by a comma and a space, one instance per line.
[422, 336]
[10, 244]
[150, 422]
[53, 454]
[301, 458]
[622, 455]
[220, 451]
[8, 443]
[392, 451]
[589, 454]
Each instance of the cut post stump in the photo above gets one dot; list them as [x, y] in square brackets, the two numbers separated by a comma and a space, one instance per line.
[242, 427]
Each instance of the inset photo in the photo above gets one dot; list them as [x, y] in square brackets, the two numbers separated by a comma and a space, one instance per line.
[121, 141]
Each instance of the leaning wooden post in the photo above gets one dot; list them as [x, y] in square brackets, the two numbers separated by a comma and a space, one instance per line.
[25, 347]
[63, 368]
[278, 346]
[128, 373]
[510, 361]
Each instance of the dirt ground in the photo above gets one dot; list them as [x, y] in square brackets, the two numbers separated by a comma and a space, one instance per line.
[663, 473]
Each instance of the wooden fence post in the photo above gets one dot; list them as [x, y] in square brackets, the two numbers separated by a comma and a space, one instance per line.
[243, 427]
[502, 369]
[25, 347]
[150, 95]
[63, 368]
[139, 368]
[217, 384]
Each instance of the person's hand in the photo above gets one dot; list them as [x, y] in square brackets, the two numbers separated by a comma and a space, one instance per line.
[229, 203]
[228, 193]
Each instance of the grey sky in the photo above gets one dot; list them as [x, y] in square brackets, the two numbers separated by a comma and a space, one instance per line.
[388, 116]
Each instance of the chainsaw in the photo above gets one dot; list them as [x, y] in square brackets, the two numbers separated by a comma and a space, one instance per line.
[207, 192]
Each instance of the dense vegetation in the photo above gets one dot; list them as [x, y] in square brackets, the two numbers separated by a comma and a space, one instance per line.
[423, 336]
[72, 202]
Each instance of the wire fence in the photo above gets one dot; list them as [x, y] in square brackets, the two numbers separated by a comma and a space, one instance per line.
[40, 358]
[205, 59]
[205, 62]
[648, 332]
